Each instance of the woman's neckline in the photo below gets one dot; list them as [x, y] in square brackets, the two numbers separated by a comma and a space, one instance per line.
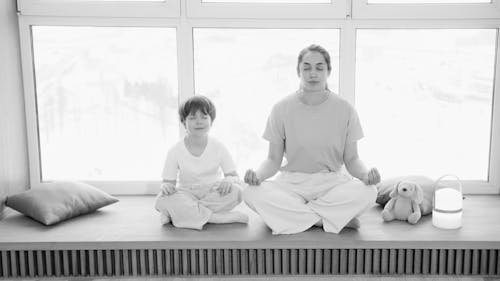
[299, 95]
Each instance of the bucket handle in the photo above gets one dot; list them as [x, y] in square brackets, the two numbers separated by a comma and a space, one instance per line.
[436, 184]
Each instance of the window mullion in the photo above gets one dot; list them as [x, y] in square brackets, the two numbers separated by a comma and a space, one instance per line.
[494, 175]
[26, 43]
[347, 61]
[185, 63]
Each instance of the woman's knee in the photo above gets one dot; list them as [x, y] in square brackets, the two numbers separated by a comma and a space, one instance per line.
[254, 192]
[235, 194]
[248, 194]
[368, 193]
[361, 192]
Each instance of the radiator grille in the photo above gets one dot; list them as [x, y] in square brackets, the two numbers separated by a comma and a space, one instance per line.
[125, 262]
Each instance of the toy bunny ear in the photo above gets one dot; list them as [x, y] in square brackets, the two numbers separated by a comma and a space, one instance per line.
[394, 191]
[418, 194]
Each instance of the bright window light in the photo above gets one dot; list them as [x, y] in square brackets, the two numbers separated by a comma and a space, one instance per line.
[270, 1]
[427, 1]
[104, 1]
[106, 101]
[425, 100]
[245, 72]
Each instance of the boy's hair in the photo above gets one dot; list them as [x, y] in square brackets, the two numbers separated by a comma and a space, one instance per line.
[194, 104]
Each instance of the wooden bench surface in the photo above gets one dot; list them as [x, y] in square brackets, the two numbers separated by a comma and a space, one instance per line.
[134, 224]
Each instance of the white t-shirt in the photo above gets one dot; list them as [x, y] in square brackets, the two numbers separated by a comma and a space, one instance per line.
[314, 135]
[188, 169]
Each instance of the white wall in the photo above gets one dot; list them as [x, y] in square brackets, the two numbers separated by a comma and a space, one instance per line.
[14, 176]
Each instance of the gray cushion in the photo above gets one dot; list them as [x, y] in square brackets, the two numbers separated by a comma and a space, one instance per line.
[385, 187]
[58, 201]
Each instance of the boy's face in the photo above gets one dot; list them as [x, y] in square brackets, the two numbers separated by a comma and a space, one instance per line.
[198, 123]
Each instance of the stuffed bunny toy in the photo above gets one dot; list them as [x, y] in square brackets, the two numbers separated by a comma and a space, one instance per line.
[404, 203]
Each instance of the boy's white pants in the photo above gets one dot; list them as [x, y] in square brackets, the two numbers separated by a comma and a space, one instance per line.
[191, 207]
[294, 202]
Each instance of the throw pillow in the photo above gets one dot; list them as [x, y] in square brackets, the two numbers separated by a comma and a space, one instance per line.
[58, 201]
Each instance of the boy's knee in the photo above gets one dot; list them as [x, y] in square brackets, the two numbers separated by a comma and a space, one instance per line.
[161, 202]
[235, 194]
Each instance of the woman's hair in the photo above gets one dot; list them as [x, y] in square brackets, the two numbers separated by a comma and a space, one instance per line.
[194, 104]
[314, 48]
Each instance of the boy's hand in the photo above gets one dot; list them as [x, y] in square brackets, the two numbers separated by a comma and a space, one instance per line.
[372, 177]
[251, 177]
[167, 188]
[224, 188]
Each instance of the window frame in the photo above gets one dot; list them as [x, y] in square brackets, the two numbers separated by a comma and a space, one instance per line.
[492, 185]
[336, 9]
[96, 8]
[185, 24]
[363, 10]
[29, 83]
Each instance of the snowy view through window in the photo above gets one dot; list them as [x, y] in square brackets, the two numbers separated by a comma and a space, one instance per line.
[424, 98]
[107, 101]
[107, 96]
[246, 71]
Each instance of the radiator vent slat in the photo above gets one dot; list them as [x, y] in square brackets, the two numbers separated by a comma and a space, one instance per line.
[199, 262]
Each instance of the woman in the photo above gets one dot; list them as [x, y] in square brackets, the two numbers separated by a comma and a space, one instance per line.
[318, 132]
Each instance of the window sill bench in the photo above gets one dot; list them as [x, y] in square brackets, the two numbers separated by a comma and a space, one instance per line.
[126, 239]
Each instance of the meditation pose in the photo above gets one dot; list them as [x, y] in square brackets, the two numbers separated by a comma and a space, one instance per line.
[317, 131]
[202, 193]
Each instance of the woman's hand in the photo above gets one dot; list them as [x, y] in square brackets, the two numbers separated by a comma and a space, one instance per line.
[251, 177]
[167, 188]
[372, 177]
[224, 188]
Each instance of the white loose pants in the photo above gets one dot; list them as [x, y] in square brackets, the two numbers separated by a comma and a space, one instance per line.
[294, 202]
[191, 207]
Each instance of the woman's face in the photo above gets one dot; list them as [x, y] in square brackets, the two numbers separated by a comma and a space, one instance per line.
[313, 72]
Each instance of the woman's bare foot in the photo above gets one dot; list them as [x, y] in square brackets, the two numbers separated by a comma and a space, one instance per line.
[165, 219]
[354, 223]
[228, 217]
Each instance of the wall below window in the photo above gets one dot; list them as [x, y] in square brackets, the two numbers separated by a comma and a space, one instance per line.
[14, 174]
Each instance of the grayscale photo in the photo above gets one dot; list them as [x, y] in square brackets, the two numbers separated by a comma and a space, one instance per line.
[250, 140]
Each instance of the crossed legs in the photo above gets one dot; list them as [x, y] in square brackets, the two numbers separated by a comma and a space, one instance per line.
[287, 212]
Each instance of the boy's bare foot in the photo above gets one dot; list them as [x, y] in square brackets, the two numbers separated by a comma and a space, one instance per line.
[228, 217]
[354, 223]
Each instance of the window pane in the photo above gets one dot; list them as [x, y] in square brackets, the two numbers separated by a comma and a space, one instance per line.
[106, 101]
[425, 100]
[269, 1]
[427, 1]
[66, 1]
[246, 71]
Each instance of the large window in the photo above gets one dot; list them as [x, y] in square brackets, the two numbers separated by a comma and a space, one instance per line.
[103, 81]
[245, 71]
[268, 1]
[106, 101]
[425, 99]
[426, 1]
[426, 9]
